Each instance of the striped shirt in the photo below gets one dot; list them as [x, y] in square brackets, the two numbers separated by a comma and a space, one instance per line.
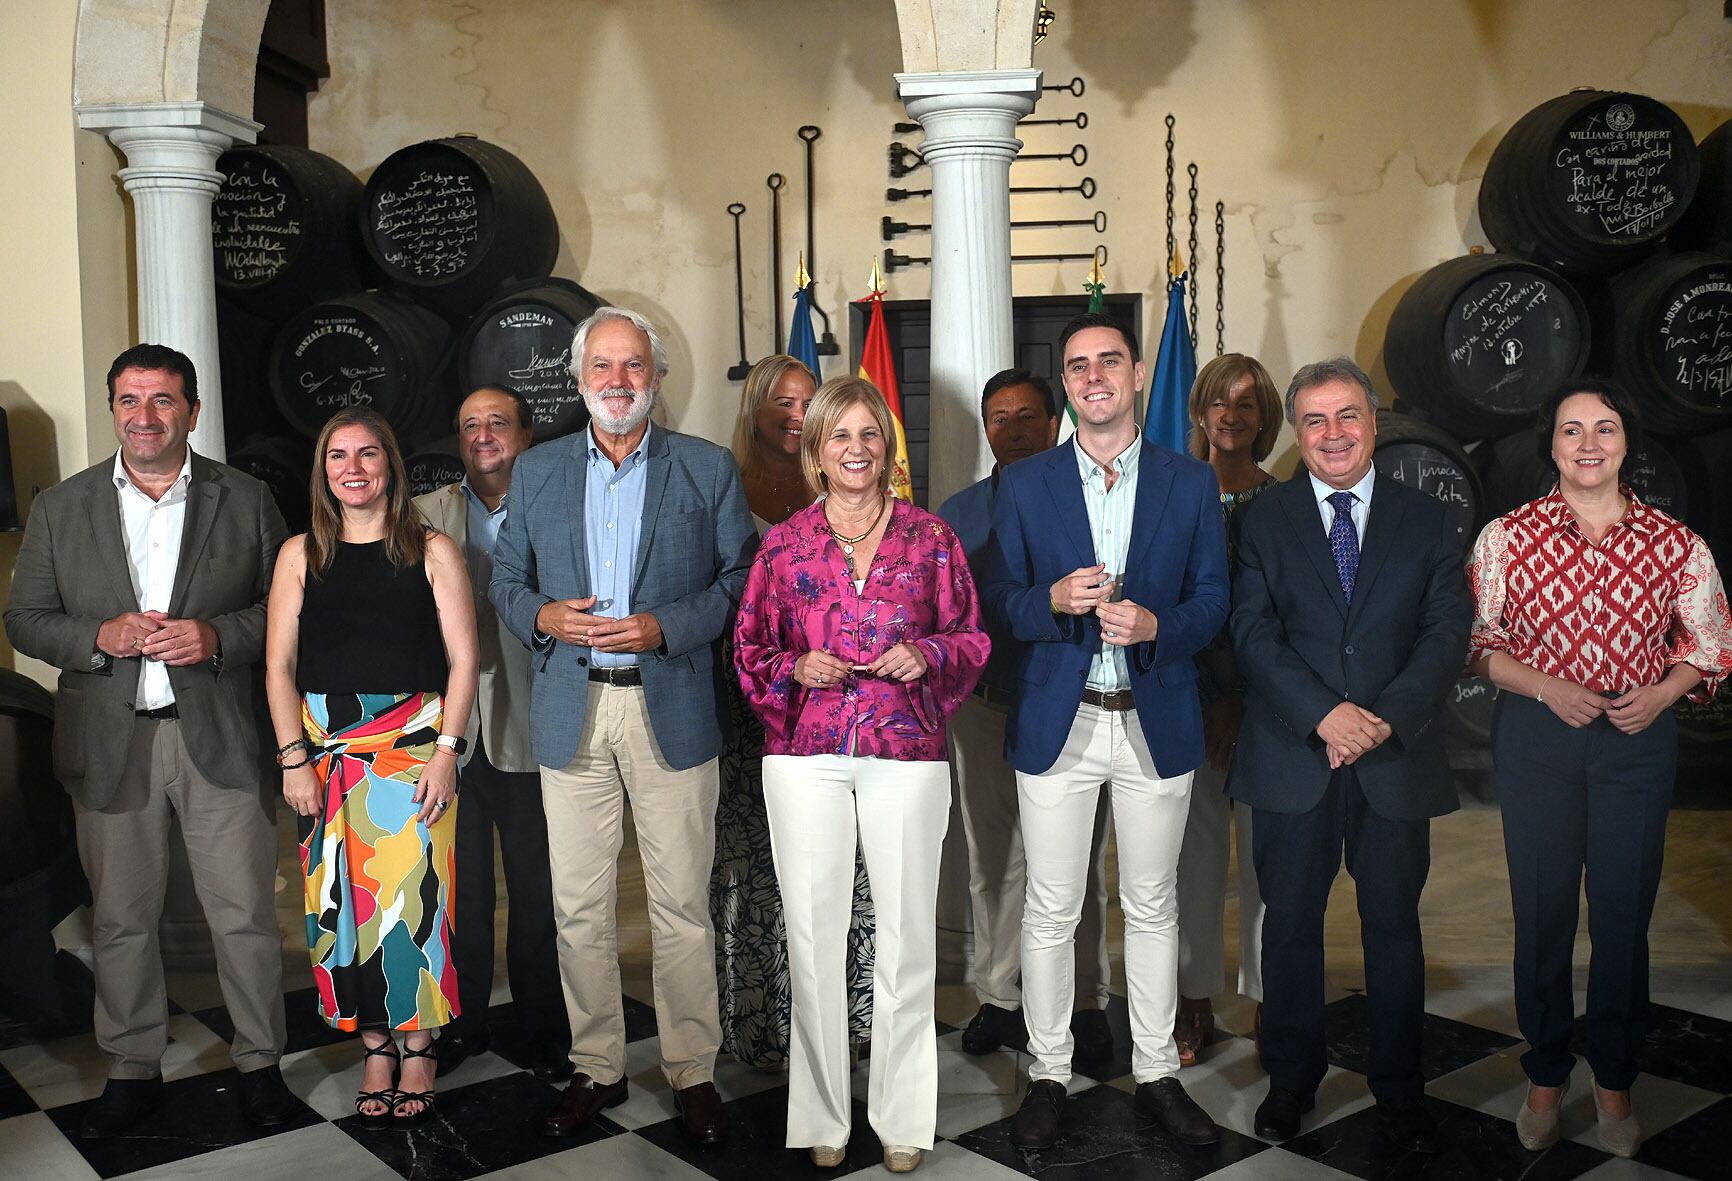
[1110, 513]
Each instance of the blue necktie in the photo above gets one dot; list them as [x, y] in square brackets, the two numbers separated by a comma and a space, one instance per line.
[1344, 541]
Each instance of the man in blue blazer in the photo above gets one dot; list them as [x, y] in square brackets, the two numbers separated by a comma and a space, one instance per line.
[1109, 564]
[622, 557]
[1350, 621]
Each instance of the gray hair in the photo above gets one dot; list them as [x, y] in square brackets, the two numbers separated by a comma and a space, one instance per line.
[658, 350]
[1322, 373]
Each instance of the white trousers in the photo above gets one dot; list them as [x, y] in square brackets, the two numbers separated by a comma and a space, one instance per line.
[819, 807]
[1149, 827]
[997, 872]
[1203, 894]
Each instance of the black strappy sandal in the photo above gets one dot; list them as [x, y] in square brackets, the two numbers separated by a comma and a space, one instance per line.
[388, 1096]
[401, 1098]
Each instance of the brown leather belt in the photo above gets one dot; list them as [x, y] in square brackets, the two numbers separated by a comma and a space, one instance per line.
[619, 675]
[1118, 701]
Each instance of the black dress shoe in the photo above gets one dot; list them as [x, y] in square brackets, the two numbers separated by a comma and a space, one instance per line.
[123, 1102]
[1036, 1123]
[1408, 1125]
[266, 1100]
[457, 1048]
[701, 1116]
[1278, 1116]
[993, 1027]
[1092, 1036]
[1176, 1112]
[578, 1104]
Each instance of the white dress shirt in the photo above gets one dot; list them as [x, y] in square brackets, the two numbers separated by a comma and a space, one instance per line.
[1110, 515]
[1361, 506]
[152, 531]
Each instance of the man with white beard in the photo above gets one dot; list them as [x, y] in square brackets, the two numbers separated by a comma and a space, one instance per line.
[620, 563]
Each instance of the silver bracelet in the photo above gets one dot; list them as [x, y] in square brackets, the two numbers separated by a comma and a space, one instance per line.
[1541, 695]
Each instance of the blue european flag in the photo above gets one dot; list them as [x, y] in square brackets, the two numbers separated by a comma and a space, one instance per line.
[802, 344]
[1164, 419]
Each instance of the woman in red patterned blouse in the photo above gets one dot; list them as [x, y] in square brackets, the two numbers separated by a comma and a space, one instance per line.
[1595, 614]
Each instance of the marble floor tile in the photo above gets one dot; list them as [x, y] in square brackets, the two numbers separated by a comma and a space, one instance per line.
[306, 1029]
[74, 1069]
[477, 1130]
[1279, 1165]
[320, 1151]
[604, 1160]
[1699, 1147]
[1103, 1137]
[33, 1149]
[756, 1149]
[1630, 1170]
[1683, 1045]
[326, 1078]
[1445, 1045]
[14, 1099]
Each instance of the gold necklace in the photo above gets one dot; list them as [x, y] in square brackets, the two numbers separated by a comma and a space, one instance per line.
[848, 543]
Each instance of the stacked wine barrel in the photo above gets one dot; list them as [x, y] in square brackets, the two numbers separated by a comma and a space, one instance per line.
[1613, 237]
[402, 294]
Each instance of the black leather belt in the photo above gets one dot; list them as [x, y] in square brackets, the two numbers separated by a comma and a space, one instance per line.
[1118, 701]
[622, 675]
[162, 713]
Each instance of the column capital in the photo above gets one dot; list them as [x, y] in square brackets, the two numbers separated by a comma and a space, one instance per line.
[170, 145]
[109, 118]
[970, 112]
[1016, 86]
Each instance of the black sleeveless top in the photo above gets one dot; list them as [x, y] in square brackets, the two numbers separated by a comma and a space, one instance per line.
[369, 627]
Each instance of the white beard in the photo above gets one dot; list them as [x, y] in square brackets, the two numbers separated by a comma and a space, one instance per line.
[625, 424]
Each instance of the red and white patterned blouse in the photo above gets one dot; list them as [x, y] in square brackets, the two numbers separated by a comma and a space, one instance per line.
[1610, 617]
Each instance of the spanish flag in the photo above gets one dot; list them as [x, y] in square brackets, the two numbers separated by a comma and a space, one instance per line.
[878, 367]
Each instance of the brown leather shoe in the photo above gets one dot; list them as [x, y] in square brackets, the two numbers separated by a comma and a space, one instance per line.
[582, 1099]
[1036, 1123]
[701, 1115]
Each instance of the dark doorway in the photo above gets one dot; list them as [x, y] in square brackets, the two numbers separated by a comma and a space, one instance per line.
[292, 63]
[1036, 321]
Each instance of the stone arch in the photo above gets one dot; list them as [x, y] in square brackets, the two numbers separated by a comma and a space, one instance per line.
[138, 51]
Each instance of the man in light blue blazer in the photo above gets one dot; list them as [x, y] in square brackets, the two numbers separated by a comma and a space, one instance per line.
[619, 565]
[1108, 563]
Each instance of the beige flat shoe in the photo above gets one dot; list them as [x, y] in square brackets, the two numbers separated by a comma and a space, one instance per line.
[1538, 1130]
[826, 1157]
[1619, 1135]
[899, 1158]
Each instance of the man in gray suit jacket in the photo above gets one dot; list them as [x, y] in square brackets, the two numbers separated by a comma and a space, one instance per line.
[143, 579]
[500, 783]
[620, 563]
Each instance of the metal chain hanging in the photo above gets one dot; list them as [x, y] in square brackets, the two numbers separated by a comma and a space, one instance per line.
[1191, 262]
[1220, 277]
[1170, 240]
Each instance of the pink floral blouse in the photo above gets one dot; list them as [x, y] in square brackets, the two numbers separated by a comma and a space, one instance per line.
[799, 597]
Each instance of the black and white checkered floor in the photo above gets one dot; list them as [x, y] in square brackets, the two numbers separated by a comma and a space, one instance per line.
[489, 1111]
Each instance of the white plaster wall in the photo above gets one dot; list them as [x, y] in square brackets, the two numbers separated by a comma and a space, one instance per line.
[1347, 140]
[63, 249]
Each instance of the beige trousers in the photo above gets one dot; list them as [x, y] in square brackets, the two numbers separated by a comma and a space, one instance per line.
[231, 846]
[998, 874]
[674, 813]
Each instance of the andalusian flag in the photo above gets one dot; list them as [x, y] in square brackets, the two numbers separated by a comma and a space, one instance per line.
[1164, 417]
[802, 344]
[878, 366]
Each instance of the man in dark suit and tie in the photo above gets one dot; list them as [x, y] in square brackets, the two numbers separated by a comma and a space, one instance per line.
[1350, 620]
[1108, 562]
[143, 578]
[621, 560]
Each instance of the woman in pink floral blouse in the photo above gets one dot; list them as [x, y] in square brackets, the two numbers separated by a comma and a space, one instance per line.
[857, 637]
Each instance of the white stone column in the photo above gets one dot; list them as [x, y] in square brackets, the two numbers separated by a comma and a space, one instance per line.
[171, 152]
[969, 118]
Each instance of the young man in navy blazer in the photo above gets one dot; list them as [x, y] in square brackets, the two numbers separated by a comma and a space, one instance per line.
[1350, 621]
[1109, 564]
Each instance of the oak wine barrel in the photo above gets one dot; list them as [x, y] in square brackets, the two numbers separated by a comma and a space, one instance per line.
[284, 465]
[1423, 456]
[1478, 342]
[1707, 224]
[450, 221]
[523, 340]
[372, 350]
[285, 229]
[1512, 475]
[434, 466]
[1667, 335]
[1589, 182]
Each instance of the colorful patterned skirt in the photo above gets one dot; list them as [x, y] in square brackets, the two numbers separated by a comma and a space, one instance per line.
[379, 884]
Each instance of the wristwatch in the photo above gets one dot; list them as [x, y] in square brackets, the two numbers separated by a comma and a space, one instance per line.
[454, 743]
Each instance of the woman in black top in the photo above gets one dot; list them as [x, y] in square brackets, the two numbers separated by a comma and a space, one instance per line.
[370, 666]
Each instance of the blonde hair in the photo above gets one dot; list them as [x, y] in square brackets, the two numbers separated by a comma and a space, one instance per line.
[834, 399]
[1216, 380]
[405, 535]
[760, 387]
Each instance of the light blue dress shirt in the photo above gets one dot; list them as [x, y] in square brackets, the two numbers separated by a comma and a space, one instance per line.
[1361, 506]
[483, 535]
[1110, 515]
[612, 523]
